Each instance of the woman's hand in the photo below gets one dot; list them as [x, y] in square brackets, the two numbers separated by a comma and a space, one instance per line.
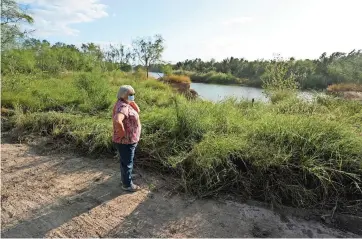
[134, 106]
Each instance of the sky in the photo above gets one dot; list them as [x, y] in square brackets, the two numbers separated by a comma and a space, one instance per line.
[206, 29]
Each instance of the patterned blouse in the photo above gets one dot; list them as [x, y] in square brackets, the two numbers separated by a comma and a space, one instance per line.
[131, 123]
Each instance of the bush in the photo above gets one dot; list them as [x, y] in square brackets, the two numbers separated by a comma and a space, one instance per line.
[95, 91]
[166, 69]
[140, 74]
[216, 78]
[280, 95]
[212, 77]
[17, 61]
[39, 93]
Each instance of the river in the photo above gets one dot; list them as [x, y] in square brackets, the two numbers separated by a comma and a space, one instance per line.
[215, 93]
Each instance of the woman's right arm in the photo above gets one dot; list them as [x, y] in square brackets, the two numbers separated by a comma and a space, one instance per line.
[119, 120]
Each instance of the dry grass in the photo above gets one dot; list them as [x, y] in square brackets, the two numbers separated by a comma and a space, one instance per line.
[344, 87]
[177, 79]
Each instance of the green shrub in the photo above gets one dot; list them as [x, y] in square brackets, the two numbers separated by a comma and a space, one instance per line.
[280, 95]
[140, 74]
[95, 91]
[212, 77]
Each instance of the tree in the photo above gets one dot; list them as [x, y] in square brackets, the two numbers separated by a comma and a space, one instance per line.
[148, 51]
[278, 77]
[119, 56]
[12, 16]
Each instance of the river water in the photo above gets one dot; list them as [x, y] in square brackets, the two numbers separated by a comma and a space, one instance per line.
[215, 93]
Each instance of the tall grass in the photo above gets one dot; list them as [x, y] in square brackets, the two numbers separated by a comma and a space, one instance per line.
[177, 79]
[94, 92]
[306, 154]
[213, 78]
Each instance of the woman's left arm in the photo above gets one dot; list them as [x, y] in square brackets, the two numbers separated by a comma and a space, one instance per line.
[135, 106]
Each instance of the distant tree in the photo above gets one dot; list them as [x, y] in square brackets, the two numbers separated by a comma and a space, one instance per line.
[12, 17]
[148, 51]
[93, 50]
[120, 56]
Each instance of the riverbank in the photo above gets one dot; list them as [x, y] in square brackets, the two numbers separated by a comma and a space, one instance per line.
[214, 78]
[346, 91]
[302, 154]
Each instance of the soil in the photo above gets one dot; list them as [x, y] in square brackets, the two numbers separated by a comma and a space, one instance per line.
[63, 195]
[352, 95]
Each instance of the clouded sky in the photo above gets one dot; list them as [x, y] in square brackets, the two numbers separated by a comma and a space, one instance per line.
[206, 29]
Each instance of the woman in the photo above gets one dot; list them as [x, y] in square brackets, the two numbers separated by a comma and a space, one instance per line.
[126, 133]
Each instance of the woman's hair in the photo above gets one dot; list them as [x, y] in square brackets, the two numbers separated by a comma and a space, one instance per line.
[124, 90]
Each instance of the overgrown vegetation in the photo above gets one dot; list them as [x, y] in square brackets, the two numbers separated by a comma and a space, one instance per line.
[306, 154]
[278, 82]
[35, 56]
[293, 152]
[310, 74]
[177, 79]
[12, 15]
[212, 78]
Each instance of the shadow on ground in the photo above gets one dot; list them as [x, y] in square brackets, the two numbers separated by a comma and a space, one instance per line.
[70, 196]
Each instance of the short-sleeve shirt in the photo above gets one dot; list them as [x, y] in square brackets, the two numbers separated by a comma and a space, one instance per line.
[131, 123]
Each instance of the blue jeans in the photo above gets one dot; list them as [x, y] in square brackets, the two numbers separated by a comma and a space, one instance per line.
[126, 153]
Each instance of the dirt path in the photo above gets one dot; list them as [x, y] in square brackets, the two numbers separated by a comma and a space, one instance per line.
[69, 196]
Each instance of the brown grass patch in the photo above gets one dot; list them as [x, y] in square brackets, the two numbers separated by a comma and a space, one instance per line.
[344, 87]
[177, 79]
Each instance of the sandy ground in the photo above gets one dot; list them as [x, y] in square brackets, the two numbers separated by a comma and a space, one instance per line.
[62, 195]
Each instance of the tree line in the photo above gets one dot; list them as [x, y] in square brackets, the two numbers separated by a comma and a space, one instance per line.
[33, 55]
[23, 55]
[310, 74]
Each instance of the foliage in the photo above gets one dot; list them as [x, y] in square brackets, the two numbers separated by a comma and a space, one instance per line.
[140, 74]
[148, 51]
[119, 56]
[212, 78]
[293, 152]
[306, 154]
[166, 69]
[278, 82]
[278, 77]
[33, 56]
[11, 18]
[310, 74]
[95, 91]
